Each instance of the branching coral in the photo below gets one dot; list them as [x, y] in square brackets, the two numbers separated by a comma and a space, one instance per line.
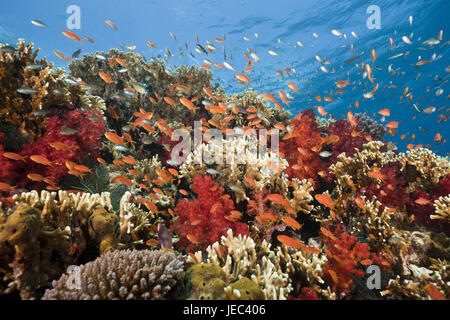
[241, 257]
[423, 168]
[123, 275]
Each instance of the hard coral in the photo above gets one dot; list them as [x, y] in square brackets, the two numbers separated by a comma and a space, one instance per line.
[203, 221]
[47, 232]
[22, 109]
[123, 275]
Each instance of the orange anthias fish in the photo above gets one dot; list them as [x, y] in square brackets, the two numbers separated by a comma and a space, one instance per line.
[351, 119]
[392, 125]
[41, 160]
[375, 173]
[283, 97]
[170, 101]
[292, 86]
[61, 56]
[291, 223]
[242, 77]
[105, 77]
[71, 35]
[6, 187]
[109, 23]
[188, 104]
[321, 111]
[290, 242]
[129, 160]
[13, 156]
[422, 201]
[385, 112]
[325, 199]
[114, 138]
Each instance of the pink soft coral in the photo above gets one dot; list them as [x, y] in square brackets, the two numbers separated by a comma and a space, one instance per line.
[203, 221]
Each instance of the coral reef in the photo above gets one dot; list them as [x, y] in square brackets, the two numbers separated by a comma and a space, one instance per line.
[121, 275]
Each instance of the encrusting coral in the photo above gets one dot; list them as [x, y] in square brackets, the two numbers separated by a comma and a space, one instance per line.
[49, 231]
[121, 275]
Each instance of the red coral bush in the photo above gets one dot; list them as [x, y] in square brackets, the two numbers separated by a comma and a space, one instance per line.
[203, 221]
[346, 256]
[302, 146]
[84, 144]
[350, 139]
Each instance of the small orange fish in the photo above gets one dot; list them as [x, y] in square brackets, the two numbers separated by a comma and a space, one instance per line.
[60, 146]
[325, 199]
[109, 23]
[13, 156]
[375, 173]
[192, 239]
[100, 160]
[129, 160]
[351, 119]
[105, 77]
[422, 201]
[275, 197]
[392, 125]
[291, 223]
[321, 111]
[118, 162]
[290, 242]
[188, 104]
[242, 77]
[35, 177]
[327, 233]
[114, 138]
[61, 56]
[41, 160]
[71, 35]
[6, 187]
[89, 39]
[385, 112]
[292, 86]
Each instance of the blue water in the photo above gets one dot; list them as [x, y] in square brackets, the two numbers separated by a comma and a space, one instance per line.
[279, 25]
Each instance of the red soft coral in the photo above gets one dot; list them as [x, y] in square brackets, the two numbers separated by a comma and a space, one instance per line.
[350, 139]
[203, 221]
[84, 144]
[345, 256]
[301, 148]
[391, 191]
